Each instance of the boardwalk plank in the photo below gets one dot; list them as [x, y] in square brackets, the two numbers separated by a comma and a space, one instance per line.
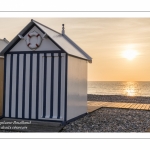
[144, 105]
[136, 106]
[140, 106]
[128, 105]
[147, 107]
[133, 106]
[93, 105]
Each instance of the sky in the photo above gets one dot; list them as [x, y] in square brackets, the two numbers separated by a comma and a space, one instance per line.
[111, 42]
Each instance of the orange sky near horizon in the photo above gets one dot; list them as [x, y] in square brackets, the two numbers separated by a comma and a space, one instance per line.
[104, 39]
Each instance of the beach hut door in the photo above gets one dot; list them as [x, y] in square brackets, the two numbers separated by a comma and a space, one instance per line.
[52, 86]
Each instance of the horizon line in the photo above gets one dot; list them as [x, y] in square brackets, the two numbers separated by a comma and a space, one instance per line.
[118, 81]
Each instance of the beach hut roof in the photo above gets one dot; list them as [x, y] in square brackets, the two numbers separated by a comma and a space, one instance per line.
[60, 39]
[3, 43]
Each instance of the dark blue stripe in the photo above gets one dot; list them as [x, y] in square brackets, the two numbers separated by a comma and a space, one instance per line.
[4, 84]
[30, 87]
[44, 86]
[66, 74]
[35, 52]
[17, 84]
[10, 87]
[53, 51]
[52, 82]
[48, 51]
[37, 86]
[59, 86]
[29, 27]
[23, 89]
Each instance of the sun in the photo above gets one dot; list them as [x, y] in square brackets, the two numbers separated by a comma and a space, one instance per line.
[129, 54]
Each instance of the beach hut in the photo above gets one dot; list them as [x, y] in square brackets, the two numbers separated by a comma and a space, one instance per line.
[45, 76]
[3, 43]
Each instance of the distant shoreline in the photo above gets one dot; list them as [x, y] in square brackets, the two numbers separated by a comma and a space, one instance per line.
[119, 98]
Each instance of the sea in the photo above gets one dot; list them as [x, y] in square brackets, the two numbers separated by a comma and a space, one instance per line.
[136, 88]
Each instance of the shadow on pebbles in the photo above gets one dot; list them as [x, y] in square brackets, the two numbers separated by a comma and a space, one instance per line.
[111, 120]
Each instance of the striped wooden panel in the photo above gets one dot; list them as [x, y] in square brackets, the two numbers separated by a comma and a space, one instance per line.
[35, 86]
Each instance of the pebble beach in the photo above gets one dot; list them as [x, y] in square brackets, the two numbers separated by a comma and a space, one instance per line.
[113, 119]
[119, 98]
[110, 120]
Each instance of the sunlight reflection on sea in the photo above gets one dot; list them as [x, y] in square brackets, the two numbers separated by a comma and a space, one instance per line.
[138, 88]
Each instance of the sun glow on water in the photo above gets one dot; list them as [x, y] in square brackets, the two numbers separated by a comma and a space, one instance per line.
[130, 92]
[131, 89]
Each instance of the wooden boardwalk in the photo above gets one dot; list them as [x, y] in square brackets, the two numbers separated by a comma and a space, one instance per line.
[94, 105]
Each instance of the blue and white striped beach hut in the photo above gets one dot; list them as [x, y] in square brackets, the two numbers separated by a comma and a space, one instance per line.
[45, 76]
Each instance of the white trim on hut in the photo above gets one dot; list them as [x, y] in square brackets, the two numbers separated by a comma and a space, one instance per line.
[47, 81]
